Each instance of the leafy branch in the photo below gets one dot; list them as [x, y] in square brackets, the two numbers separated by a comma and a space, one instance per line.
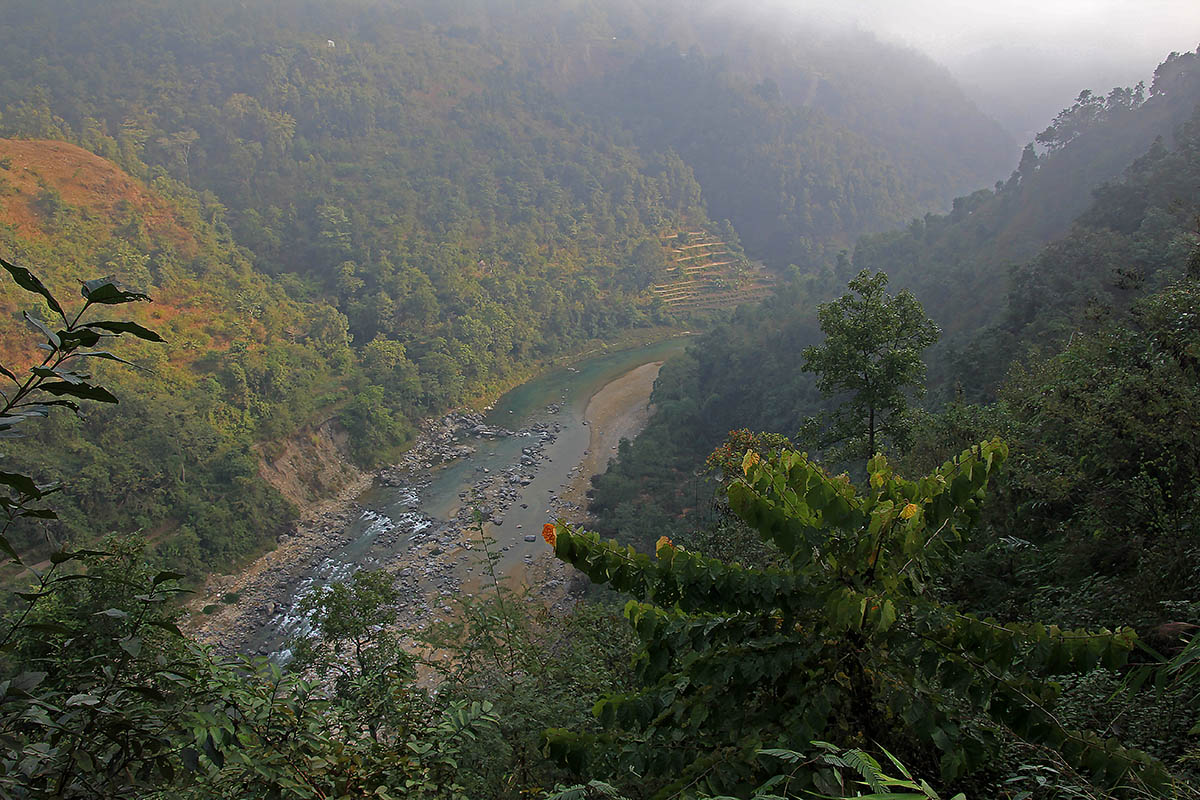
[57, 381]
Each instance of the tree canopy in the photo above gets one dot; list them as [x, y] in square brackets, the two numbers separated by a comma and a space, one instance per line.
[872, 353]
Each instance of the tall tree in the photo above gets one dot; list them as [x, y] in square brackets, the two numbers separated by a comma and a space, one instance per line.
[872, 350]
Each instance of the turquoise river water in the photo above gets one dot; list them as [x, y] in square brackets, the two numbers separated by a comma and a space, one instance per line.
[394, 519]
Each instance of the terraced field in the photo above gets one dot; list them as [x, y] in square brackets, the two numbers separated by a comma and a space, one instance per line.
[706, 274]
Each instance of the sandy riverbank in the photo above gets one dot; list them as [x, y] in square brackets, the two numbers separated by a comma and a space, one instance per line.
[619, 410]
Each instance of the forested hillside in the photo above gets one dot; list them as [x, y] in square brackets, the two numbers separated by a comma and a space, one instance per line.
[244, 362]
[1085, 534]
[959, 263]
[1134, 237]
[462, 123]
[353, 215]
[464, 190]
[440, 197]
[805, 145]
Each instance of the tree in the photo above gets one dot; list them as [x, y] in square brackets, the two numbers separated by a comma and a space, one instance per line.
[102, 696]
[355, 649]
[848, 643]
[58, 381]
[872, 349]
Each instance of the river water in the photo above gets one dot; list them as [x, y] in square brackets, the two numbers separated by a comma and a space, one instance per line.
[414, 526]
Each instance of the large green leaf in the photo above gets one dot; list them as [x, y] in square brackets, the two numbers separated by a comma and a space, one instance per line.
[167, 576]
[107, 356]
[62, 374]
[28, 281]
[104, 291]
[9, 550]
[114, 326]
[80, 337]
[83, 391]
[22, 483]
[50, 335]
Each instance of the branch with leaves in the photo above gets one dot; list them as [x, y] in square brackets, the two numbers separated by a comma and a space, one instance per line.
[58, 381]
[850, 643]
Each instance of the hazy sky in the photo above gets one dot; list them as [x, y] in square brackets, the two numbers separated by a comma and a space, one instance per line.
[1122, 30]
[1024, 59]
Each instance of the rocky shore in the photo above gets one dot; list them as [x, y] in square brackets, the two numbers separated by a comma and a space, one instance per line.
[236, 613]
[255, 611]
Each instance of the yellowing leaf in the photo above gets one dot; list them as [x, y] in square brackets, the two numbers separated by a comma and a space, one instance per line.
[910, 511]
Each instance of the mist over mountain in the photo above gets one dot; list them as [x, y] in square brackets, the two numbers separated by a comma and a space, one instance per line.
[1023, 60]
[477, 187]
[313, 313]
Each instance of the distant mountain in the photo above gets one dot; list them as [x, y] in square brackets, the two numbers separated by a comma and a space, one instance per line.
[804, 141]
[959, 264]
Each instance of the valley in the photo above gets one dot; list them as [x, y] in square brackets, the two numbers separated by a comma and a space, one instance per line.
[596, 400]
[527, 462]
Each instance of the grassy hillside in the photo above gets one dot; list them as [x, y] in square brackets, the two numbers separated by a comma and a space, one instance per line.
[244, 361]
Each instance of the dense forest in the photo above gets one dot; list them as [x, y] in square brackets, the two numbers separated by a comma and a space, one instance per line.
[919, 525]
[464, 194]
[1081, 356]
[994, 300]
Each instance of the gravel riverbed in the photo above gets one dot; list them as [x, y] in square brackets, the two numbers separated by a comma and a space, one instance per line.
[433, 559]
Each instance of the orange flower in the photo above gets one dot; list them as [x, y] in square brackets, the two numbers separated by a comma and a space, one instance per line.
[550, 534]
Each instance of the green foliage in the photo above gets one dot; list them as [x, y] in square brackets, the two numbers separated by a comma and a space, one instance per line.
[355, 651]
[93, 679]
[849, 642]
[537, 666]
[1185, 670]
[103, 697]
[269, 736]
[727, 458]
[854, 770]
[872, 351]
[1113, 455]
[746, 373]
[378, 429]
[1092, 523]
[1102, 490]
[60, 376]
[242, 362]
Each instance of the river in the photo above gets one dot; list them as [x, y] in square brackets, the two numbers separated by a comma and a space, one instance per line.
[422, 530]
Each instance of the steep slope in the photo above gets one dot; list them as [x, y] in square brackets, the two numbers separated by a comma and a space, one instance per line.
[803, 142]
[243, 362]
[444, 201]
[473, 125]
[958, 263]
[1135, 237]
